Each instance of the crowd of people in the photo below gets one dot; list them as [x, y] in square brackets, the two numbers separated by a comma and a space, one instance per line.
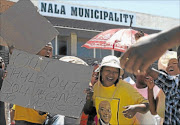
[152, 97]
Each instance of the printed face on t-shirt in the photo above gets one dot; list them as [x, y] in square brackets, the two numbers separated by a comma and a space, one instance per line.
[105, 111]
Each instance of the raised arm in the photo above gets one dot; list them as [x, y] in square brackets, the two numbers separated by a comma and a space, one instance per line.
[88, 107]
[148, 49]
[152, 102]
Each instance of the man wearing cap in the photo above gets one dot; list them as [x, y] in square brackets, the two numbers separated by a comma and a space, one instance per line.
[28, 116]
[125, 101]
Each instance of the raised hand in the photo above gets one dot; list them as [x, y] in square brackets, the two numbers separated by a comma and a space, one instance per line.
[89, 92]
[150, 82]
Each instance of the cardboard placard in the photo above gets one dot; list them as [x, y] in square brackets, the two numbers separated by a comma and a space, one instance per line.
[45, 84]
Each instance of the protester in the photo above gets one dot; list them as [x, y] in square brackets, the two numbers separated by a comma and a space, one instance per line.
[91, 118]
[28, 116]
[142, 88]
[6, 105]
[2, 107]
[170, 86]
[148, 49]
[124, 99]
[165, 63]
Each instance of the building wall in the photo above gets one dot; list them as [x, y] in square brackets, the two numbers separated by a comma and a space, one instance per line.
[142, 20]
[156, 22]
[73, 33]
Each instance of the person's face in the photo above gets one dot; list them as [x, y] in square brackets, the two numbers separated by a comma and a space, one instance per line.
[46, 52]
[172, 68]
[95, 75]
[109, 75]
[140, 81]
[105, 111]
[94, 78]
[138, 35]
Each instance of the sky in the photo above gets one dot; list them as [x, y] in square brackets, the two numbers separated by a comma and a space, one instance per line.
[166, 8]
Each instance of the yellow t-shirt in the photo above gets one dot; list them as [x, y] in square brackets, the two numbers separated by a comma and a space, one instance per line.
[122, 94]
[27, 114]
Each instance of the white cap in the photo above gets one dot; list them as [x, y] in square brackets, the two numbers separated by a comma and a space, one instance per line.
[49, 44]
[164, 59]
[111, 61]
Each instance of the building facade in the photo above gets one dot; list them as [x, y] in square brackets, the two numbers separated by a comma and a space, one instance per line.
[77, 24]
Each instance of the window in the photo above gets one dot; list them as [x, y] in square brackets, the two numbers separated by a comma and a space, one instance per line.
[82, 51]
[62, 45]
[100, 53]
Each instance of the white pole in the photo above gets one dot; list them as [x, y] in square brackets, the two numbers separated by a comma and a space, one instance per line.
[94, 52]
[112, 52]
[56, 47]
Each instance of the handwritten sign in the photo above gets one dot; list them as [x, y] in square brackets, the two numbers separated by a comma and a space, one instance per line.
[45, 84]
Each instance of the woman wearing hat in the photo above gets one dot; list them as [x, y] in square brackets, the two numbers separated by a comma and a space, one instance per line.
[125, 101]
